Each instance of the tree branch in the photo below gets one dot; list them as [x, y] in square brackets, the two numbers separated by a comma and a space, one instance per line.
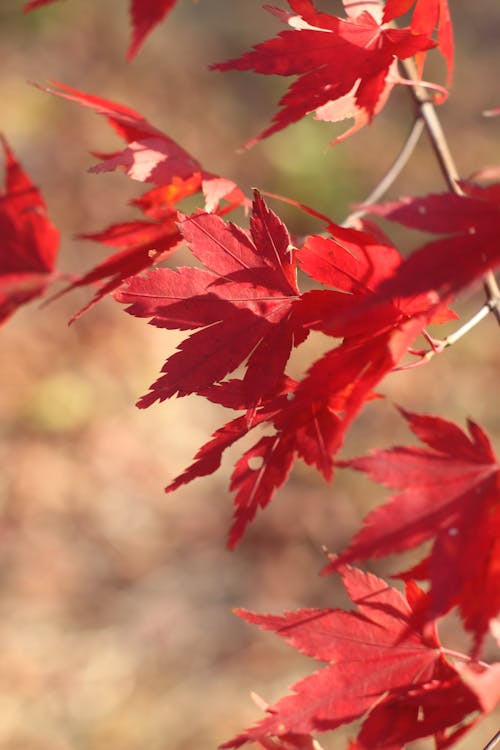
[494, 741]
[392, 173]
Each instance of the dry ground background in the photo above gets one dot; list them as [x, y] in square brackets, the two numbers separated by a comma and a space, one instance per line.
[115, 600]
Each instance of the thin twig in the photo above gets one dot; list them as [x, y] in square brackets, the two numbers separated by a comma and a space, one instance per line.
[439, 345]
[494, 741]
[449, 170]
[477, 318]
[392, 173]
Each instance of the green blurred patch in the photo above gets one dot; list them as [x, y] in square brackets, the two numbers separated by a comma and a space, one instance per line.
[309, 171]
[60, 403]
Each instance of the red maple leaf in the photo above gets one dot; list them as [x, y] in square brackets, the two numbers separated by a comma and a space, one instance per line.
[377, 662]
[472, 223]
[342, 64]
[308, 418]
[150, 156]
[427, 15]
[242, 305]
[448, 492]
[144, 15]
[29, 241]
[142, 243]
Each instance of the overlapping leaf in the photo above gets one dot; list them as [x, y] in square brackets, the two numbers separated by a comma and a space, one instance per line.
[242, 305]
[427, 14]
[28, 240]
[448, 492]
[343, 65]
[377, 662]
[150, 156]
[308, 419]
[471, 223]
[377, 307]
[142, 243]
[312, 421]
[144, 15]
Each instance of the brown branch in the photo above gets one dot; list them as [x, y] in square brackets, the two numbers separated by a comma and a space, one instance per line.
[494, 741]
[428, 113]
[392, 173]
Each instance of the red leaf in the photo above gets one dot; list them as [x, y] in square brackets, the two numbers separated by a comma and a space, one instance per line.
[351, 260]
[209, 457]
[30, 242]
[150, 156]
[486, 684]
[289, 742]
[308, 419]
[449, 493]
[447, 265]
[36, 4]
[142, 243]
[242, 305]
[426, 16]
[146, 14]
[377, 661]
[340, 64]
[153, 157]
[258, 473]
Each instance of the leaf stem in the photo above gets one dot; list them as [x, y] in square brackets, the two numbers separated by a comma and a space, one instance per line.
[463, 657]
[392, 173]
[427, 112]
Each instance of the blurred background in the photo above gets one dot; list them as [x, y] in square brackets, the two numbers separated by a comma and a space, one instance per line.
[116, 628]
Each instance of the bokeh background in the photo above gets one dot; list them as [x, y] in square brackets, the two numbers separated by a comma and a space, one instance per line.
[116, 628]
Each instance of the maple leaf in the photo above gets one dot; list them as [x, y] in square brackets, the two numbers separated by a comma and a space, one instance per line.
[144, 15]
[377, 662]
[309, 418]
[142, 243]
[242, 305]
[338, 384]
[29, 242]
[150, 155]
[448, 492]
[445, 266]
[427, 15]
[342, 64]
